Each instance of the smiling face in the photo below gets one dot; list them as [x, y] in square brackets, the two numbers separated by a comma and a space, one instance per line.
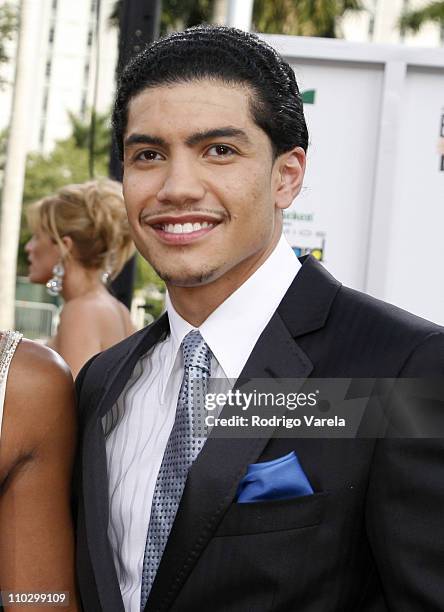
[43, 255]
[203, 194]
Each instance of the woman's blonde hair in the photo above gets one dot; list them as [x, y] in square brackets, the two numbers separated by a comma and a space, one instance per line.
[93, 215]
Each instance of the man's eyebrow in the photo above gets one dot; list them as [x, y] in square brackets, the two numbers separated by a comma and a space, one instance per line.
[193, 139]
[223, 132]
[134, 139]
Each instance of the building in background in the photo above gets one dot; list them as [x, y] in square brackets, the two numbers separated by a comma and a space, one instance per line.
[379, 24]
[64, 70]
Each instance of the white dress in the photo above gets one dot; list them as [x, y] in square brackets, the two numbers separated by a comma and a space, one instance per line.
[8, 343]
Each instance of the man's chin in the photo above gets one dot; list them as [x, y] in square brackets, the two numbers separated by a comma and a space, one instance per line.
[187, 279]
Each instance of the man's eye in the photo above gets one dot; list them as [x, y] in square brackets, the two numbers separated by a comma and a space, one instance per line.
[220, 150]
[148, 156]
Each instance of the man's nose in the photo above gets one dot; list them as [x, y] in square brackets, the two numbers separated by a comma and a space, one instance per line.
[182, 184]
[28, 246]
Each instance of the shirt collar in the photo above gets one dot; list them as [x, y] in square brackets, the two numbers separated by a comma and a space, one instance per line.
[179, 328]
[232, 330]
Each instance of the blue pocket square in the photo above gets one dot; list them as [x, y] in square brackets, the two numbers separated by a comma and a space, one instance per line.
[280, 478]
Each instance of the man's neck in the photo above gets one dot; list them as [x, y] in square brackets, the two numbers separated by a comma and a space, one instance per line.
[195, 304]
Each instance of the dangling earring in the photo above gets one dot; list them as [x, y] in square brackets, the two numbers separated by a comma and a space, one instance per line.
[55, 284]
[109, 267]
[106, 275]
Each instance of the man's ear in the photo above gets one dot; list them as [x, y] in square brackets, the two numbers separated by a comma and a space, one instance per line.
[290, 168]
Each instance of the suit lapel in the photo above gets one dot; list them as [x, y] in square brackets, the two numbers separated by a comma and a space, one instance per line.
[94, 476]
[213, 479]
[214, 476]
[95, 493]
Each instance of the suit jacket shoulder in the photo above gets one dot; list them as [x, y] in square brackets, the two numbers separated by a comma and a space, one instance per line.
[348, 333]
[398, 334]
[379, 310]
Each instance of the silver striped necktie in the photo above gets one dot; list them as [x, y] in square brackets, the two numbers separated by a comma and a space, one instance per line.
[182, 449]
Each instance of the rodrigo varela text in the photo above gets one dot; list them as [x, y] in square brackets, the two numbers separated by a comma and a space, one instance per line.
[273, 421]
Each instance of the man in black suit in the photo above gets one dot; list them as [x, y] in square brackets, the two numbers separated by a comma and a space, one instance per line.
[213, 140]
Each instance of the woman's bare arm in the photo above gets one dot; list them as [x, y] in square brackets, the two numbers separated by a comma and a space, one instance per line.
[37, 447]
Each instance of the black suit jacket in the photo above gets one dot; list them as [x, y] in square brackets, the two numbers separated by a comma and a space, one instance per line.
[371, 537]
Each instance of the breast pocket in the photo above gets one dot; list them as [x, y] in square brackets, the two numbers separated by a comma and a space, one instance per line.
[267, 516]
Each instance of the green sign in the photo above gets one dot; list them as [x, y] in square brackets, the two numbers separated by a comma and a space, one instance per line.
[308, 97]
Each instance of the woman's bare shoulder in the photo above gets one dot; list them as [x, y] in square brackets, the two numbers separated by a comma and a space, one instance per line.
[88, 307]
[36, 364]
[99, 311]
[39, 391]
[39, 409]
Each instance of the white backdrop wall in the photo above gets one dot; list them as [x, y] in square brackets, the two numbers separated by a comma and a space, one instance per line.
[372, 205]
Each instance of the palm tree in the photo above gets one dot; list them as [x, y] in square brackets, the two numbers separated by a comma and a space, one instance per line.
[414, 20]
[81, 132]
[302, 17]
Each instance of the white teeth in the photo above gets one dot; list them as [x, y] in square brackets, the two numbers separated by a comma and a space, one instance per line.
[186, 228]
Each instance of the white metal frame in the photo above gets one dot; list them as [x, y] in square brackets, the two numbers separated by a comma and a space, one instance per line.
[395, 60]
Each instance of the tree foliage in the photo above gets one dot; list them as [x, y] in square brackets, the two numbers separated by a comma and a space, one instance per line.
[81, 133]
[150, 286]
[68, 161]
[302, 17]
[180, 14]
[8, 29]
[176, 14]
[413, 20]
[297, 17]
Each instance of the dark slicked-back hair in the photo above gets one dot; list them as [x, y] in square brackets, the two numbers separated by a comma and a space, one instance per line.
[222, 54]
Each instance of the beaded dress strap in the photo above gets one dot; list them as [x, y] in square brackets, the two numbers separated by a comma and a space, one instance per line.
[8, 343]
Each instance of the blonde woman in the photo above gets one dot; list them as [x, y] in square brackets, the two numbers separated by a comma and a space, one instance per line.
[37, 443]
[80, 241]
